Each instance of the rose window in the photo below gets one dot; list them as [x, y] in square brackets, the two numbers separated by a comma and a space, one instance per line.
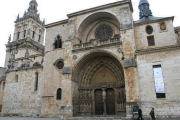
[60, 64]
[103, 32]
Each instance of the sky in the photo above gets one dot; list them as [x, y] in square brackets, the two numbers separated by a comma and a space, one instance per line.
[56, 10]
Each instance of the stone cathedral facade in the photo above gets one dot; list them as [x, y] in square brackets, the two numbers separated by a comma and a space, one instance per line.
[97, 62]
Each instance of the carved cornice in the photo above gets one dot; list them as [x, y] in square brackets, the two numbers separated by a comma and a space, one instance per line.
[57, 23]
[21, 69]
[24, 43]
[102, 7]
[158, 49]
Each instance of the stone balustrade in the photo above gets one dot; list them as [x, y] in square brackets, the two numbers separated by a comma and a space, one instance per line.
[96, 43]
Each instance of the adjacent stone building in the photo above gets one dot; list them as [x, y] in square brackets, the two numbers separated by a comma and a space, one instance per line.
[97, 62]
[2, 85]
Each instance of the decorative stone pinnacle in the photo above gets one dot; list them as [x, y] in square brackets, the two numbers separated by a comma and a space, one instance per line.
[44, 22]
[27, 54]
[9, 40]
[17, 18]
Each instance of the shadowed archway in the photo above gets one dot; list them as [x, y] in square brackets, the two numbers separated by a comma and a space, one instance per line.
[94, 73]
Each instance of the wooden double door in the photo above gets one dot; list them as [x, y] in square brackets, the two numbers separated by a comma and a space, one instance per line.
[110, 102]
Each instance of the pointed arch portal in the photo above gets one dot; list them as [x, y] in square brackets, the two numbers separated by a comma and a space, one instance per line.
[98, 85]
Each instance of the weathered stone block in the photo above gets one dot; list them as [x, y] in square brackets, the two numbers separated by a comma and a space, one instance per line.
[67, 70]
[126, 26]
[130, 62]
[70, 37]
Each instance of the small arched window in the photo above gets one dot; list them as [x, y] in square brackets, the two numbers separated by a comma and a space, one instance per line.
[59, 94]
[3, 85]
[58, 42]
[36, 81]
[33, 35]
[24, 33]
[18, 34]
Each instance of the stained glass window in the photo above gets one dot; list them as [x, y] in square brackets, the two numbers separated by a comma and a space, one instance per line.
[103, 32]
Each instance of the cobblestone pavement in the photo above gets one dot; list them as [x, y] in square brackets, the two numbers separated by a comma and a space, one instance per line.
[31, 118]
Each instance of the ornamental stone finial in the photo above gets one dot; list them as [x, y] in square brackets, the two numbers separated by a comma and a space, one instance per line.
[44, 22]
[27, 54]
[24, 14]
[9, 40]
[17, 19]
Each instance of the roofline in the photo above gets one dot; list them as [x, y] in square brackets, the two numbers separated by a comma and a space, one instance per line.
[101, 7]
[177, 27]
[172, 18]
[56, 23]
[90, 10]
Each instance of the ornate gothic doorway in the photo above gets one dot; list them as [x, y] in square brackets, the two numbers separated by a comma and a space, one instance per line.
[99, 86]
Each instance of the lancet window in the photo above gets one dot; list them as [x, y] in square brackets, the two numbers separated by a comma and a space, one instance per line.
[59, 94]
[58, 42]
[18, 34]
[36, 81]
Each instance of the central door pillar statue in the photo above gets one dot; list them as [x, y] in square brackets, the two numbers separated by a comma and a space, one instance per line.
[104, 100]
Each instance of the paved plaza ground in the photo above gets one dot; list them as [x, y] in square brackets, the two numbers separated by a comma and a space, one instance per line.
[31, 118]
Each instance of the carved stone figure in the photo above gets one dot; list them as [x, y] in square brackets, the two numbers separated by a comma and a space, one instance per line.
[28, 33]
[11, 61]
[104, 95]
[162, 26]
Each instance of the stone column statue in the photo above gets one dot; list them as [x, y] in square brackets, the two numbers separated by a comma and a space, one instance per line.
[104, 100]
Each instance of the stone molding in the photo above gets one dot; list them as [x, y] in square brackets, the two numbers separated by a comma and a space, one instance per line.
[57, 23]
[67, 70]
[27, 42]
[102, 7]
[47, 96]
[130, 62]
[153, 21]
[157, 49]
[21, 69]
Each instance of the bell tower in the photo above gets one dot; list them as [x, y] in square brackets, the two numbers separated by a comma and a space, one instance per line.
[28, 34]
[30, 26]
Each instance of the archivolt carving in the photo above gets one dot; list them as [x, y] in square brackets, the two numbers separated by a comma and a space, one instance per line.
[91, 67]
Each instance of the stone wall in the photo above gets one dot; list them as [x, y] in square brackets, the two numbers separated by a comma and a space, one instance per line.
[51, 34]
[177, 32]
[53, 80]
[2, 83]
[169, 61]
[161, 37]
[2, 72]
[20, 96]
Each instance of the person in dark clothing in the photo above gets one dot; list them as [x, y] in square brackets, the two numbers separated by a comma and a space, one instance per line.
[152, 114]
[139, 113]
